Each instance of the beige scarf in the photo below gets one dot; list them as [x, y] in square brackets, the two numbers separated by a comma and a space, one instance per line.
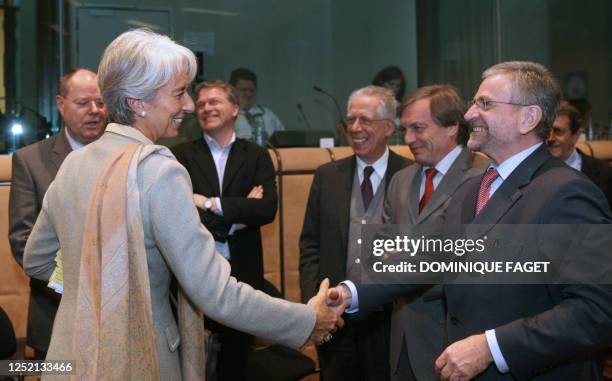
[115, 334]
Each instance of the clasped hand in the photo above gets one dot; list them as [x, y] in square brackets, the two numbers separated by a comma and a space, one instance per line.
[329, 309]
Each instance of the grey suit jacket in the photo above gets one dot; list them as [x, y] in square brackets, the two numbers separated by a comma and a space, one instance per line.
[34, 168]
[176, 243]
[419, 318]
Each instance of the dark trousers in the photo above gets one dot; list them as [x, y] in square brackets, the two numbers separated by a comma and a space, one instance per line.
[404, 369]
[359, 351]
[235, 346]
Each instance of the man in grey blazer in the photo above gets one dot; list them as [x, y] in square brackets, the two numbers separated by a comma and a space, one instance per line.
[434, 128]
[34, 168]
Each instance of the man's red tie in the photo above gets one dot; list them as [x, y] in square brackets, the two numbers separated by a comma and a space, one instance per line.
[485, 188]
[430, 173]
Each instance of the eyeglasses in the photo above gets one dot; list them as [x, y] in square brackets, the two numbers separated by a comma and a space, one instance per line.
[84, 103]
[487, 104]
[365, 122]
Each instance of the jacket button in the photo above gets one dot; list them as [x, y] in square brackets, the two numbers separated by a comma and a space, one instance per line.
[454, 320]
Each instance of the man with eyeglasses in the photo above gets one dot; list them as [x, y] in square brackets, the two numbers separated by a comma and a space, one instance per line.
[434, 128]
[518, 331]
[34, 168]
[344, 195]
[252, 115]
[562, 144]
[553, 331]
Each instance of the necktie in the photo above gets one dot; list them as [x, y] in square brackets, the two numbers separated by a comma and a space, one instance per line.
[429, 187]
[367, 193]
[485, 188]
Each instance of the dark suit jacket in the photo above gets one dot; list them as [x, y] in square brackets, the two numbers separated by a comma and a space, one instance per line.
[419, 319]
[323, 242]
[34, 168]
[600, 172]
[545, 332]
[248, 165]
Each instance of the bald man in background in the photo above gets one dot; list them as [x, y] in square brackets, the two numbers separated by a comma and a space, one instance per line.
[34, 168]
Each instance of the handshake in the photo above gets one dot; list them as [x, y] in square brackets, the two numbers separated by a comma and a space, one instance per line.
[329, 305]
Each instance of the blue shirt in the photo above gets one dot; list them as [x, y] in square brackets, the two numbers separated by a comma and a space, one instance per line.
[74, 144]
[575, 160]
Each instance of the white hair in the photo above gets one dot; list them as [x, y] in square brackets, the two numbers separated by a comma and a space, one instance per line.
[387, 107]
[136, 65]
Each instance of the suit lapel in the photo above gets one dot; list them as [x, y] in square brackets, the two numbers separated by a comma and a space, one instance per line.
[414, 189]
[457, 174]
[469, 203]
[394, 164]
[61, 149]
[346, 173]
[510, 190]
[236, 159]
[589, 168]
[203, 158]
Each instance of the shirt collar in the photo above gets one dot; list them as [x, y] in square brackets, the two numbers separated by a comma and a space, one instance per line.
[574, 160]
[444, 165]
[130, 132]
[255, 110]
[380, 165]
[74, 144]
[213, 145]
[509, 165]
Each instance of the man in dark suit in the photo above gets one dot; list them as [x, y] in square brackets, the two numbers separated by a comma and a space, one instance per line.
[562, 144]
[344, 195]
[235, 191]
[519, 331]
[34, 168]
[434, 128]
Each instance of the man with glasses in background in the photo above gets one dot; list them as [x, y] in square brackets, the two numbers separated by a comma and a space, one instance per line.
[255, 122]
[34, 168]
[345, 195]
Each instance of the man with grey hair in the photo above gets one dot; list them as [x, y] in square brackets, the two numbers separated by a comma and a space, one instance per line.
[519, 331]
[346, 194]
[553, 331]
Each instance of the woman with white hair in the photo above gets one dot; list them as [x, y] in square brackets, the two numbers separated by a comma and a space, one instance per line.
[121, 209]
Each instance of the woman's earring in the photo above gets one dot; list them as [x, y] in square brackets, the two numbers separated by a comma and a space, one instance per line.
[143, 113]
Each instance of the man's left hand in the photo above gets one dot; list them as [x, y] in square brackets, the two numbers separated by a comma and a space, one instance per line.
[464, 359]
